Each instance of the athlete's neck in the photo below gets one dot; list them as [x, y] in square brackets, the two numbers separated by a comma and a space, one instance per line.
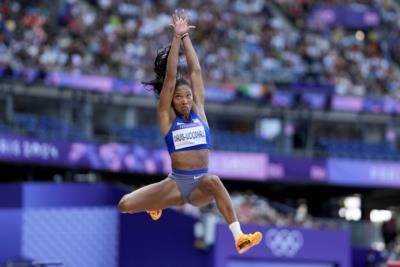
[185, 117]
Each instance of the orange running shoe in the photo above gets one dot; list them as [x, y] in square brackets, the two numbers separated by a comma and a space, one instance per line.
[155, 214]
[247, 241]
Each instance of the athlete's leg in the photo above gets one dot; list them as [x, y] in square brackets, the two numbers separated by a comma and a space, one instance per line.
[155, 196]
[209, 189]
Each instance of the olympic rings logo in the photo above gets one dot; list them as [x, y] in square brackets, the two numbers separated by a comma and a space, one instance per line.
[284, 242]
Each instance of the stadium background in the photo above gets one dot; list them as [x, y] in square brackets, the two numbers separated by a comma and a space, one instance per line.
[302, 99]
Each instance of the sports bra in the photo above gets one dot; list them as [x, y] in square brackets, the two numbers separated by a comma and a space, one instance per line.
[188, 135]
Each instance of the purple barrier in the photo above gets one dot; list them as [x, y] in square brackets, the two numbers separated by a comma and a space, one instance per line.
[11, 198]
[299, 87]
[88, 82]
[220, 94]
[282, 99]
[27, 150]
[36, 195]
[96, 83]
[367, 104]
[10, 234]
[347, 103]
[110, 157]
[47, 206]
[312, 95]
[132, 158]
[314, 100]
[48, 194]
[252, 166]
[350, 16]
[296, 170]
[368, 257]
[293, 246]
[57, 222]
[373, 105]
[109, 84]
[167, 242]
[391, 106]
[363, 172]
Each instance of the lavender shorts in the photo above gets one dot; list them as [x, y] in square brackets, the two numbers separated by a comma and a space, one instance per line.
[187, 181]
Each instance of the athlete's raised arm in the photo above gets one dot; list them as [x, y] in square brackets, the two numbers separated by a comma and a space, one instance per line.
[167, 91]
[194, 71]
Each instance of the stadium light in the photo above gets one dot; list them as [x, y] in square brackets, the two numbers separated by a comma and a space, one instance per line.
[379, 216]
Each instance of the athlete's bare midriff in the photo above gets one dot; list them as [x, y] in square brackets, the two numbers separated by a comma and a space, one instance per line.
[188, 160]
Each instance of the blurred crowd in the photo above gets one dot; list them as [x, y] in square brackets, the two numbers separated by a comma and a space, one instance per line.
[357, 61]
[252, 208]
[237, 41]
[255, 209]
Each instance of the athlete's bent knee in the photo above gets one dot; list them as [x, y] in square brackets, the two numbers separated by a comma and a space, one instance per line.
[212, 182]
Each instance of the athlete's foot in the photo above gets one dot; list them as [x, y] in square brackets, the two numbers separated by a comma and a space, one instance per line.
[247, 241]
[155, 214]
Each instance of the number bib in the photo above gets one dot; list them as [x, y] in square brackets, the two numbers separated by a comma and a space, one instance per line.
[189, 136]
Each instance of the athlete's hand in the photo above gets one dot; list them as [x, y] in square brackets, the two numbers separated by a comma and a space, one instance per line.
[180, 23]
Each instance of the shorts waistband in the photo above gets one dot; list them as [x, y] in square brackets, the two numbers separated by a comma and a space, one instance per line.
[191, 172]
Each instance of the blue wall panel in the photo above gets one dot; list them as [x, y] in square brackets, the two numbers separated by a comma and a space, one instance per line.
[10, 233]
[84, 236]
[168, 242]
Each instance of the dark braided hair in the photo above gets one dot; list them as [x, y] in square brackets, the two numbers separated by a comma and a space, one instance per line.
[160, 68]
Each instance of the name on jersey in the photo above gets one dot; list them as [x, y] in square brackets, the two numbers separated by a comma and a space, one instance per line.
[191, 136]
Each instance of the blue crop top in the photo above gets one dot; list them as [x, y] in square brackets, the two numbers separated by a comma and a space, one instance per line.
[191, 135]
